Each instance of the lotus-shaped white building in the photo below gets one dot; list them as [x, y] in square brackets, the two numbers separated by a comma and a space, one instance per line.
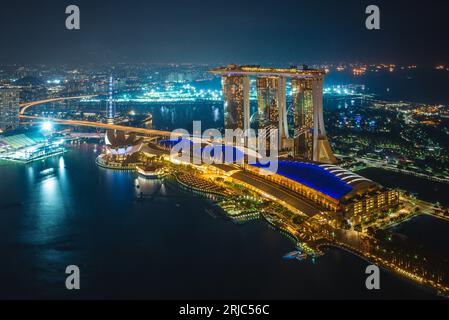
[119, 144]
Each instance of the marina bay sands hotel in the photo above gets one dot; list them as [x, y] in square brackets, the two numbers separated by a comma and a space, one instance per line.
[308, 140]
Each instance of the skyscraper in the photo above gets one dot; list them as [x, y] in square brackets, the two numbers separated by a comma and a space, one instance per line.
[271, 99]
[268, 105]
[310, 140]
[9, 109]
[236, 102]
[302, 99]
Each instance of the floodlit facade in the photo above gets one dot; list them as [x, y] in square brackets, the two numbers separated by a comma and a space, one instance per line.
[236, 102]
[302, 101]
[310, 141]
[267, 97]
[272, 112]
[359, 211]
[350, 197]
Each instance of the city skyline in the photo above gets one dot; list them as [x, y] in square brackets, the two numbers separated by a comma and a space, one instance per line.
[224, 150]
[316, 201]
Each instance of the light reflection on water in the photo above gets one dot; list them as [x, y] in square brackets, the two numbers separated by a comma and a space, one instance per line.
[51, 200]
[162, 247]
[147, 187]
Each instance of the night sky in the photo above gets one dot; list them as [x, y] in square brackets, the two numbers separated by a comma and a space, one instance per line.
[210, 31]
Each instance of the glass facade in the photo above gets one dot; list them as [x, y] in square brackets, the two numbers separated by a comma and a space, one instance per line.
[268, 104]
[236, 102]
[9, 109]
[302, 99]
[309, 142]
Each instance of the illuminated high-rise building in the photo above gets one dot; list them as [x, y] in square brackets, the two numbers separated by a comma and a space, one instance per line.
[267, 98]
[9, 109]
[302, 100]
[236, 102]
[310, 140]
[271, 97]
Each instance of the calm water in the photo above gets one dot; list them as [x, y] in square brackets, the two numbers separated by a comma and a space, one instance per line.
[422, 85]
[66, 210]
[429, 232]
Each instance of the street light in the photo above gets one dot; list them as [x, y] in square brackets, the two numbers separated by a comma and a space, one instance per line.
[47, 126]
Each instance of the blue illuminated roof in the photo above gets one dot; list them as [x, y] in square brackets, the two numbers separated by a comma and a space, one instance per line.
[217, 151]
[173, 142]
[313, 176]
[226, 153]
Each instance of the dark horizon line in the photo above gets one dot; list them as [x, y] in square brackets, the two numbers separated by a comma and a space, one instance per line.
[19, 64]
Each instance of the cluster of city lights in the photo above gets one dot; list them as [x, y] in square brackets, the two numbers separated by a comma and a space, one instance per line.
[55, 81]
[175, 93]
[338, 90]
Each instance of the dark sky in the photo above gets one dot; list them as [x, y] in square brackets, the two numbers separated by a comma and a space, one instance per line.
[210, 31]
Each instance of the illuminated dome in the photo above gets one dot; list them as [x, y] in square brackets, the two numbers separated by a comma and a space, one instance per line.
[120, 144]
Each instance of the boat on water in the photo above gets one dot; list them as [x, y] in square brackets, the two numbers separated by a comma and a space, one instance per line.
[296, 255]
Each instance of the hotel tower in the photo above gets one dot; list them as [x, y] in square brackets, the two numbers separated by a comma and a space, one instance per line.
[308, 139]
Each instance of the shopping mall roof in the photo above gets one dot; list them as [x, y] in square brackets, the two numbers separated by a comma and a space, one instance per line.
[331, 180]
